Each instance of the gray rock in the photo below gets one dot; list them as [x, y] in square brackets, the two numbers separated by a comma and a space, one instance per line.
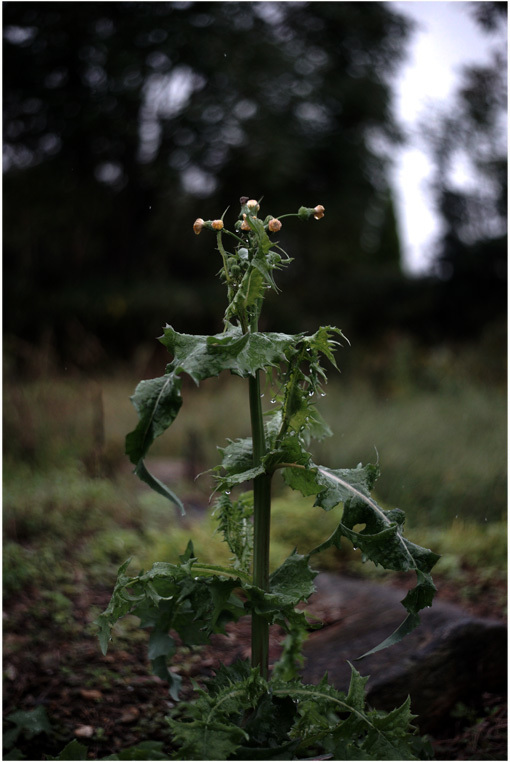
[450, 657]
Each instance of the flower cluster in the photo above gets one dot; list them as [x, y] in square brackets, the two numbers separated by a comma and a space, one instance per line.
[249, 208]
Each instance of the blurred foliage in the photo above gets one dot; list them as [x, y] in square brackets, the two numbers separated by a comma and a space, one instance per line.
[125, 121]
[469, 135]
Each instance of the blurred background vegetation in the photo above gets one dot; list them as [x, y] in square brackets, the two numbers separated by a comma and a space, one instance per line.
[125, 121]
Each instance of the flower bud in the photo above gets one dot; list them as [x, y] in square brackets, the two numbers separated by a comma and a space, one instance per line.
[198, 225]
[217, 224]
[274, 225]
[305, 212]
[244, 224]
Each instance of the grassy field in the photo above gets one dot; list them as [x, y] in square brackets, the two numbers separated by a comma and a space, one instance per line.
[73, 511]
[441, 449]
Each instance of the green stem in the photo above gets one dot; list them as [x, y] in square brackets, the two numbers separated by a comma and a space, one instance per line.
[223, 256]
[262, 522]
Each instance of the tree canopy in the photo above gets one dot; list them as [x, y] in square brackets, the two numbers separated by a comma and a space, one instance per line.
[125, 121]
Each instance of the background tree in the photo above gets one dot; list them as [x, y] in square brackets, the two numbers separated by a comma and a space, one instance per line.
[125, 121]
[470, 136]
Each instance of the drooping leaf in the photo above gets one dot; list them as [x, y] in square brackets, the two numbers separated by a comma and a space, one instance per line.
[160, 644]
[157, 485]
[410, 623]
[381, 539]
[157, 402]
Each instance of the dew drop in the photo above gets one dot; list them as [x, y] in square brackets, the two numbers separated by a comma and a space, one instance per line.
[323, 394]
[261, 395]
[273, 401]
[310, 394]
[227, 492]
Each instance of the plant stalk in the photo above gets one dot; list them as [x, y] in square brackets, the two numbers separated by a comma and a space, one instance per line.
[262, 522]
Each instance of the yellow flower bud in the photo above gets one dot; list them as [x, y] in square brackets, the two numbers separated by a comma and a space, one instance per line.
[274, 225]
[244, 224]
[253, 205]
[198, 225]
[217, 224]
[319, 212]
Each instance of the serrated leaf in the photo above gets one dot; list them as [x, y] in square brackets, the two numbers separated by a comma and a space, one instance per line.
[342, 484]
[344, 725]
[356, 694]
[293, 580]
[303, 479]
[381, 540]
[234, 521]
[30, 722]
[117, 607]
[203, 357]
[237, 456]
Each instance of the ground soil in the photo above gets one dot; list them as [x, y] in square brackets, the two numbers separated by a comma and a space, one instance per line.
[113, 701]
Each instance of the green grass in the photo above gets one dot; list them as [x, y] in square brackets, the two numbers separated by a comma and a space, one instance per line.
[70, 498]
[442, 454]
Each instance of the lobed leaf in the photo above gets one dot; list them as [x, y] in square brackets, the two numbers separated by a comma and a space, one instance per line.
[234, 521]
[243, 716]
[381, 539]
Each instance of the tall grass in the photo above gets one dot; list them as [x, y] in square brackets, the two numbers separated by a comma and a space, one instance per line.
[70, 497]
[442, 451]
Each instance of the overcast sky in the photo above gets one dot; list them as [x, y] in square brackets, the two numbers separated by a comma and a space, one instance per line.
[446, 38]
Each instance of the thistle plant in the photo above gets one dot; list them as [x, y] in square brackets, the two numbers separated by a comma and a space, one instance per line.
[248, 711]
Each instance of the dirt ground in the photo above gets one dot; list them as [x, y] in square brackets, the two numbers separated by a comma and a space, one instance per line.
[113, 701]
